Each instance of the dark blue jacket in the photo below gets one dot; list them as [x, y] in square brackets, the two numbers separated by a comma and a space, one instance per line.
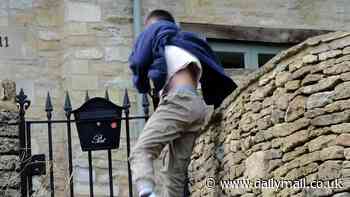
[147, 61]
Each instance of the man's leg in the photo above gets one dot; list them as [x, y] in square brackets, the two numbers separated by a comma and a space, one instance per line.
[176, 157]
[178, 113]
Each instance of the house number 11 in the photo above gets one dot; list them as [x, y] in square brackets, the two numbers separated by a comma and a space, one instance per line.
[4, 42]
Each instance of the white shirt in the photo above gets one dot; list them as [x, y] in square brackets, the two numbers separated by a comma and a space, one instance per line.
[176, 59]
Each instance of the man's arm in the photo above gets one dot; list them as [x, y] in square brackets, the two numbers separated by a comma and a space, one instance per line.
[141, 58]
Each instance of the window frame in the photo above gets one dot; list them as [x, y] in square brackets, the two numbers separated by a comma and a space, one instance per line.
[250, 50]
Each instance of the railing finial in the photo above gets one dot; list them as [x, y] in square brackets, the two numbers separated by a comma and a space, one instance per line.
[126, 101]
[87, 97]
[67, 104]
[22, 101]
[48, 106]
[106, 94]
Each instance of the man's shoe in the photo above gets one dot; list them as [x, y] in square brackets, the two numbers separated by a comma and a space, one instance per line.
[148, 195]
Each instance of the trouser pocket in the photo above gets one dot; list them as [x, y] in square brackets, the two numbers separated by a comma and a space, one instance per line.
[164, 156]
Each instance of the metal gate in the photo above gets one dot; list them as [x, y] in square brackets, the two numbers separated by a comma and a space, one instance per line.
[33, 165]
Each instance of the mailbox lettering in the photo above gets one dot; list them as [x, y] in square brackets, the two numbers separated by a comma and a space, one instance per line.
[98, 139]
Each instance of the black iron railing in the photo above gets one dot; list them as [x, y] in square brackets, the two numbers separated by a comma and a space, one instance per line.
[32, 165]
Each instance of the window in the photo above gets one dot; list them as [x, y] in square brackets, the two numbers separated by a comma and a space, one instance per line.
[244, 55]
[263, 58]
[231, 59]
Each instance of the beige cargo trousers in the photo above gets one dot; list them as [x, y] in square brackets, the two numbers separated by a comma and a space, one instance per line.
[170, 132]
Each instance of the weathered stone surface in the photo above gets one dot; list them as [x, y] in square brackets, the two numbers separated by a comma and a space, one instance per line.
[292, 85]
[317, 191]
[345, 76]
[323, 65]
[314, 112]
[8, 145]
[263, 136]
[320, 142]
[345, 173]
[263, 92]
[281, 99]
[9, 162]
[308, 169]
[8, 130]
[311, 78]
[320, 49]
[295, 109]
[319, 99]
[336, 106]
[49, 35]
[329, 54]
[341, 128]
[346, 50]
[273, 164]
[323, 84]
[82, 12]
[84, 82]
[20, 4]
[295, 66]
[285, 129]
[294, 140]
[282, 78]
[7, 97]
[294, 154]
[329, 170]
[333, 152]
[117, 54]
[315, 132]
[254, 106]
[340, 43]
[247, 122]
[264, 123]
[338, 68]
[330, 119]
[308, 158]
[9, 179]
[302, 72]
[267, 102]
[343, 194]
[257, 164]
[342, 91]
[342, 59]
[90, 53]
[267, 78]
[347, 153]
[10, 193]
[343, 140]
[309, 59]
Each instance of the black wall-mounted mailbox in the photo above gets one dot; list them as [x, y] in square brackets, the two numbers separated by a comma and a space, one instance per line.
[98, 123]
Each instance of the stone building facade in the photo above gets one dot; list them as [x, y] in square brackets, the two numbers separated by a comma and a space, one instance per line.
[79, 45]
[289, 121]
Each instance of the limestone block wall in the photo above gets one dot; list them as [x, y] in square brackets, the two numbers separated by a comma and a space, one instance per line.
[96, 41]
[290, 120]
[311, 14]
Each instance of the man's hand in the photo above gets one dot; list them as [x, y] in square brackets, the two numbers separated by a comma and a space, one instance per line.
[155, 98]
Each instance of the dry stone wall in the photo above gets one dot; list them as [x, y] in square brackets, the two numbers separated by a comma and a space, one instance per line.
[290, 120]
[9, 143]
